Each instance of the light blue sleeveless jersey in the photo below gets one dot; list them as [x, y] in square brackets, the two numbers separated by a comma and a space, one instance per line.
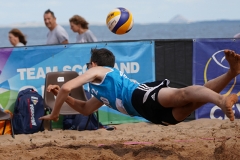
[115, 91]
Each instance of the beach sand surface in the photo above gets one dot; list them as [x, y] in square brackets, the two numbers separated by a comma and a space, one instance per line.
[197, 139]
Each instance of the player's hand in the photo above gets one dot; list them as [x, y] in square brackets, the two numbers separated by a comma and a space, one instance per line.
[53, 88]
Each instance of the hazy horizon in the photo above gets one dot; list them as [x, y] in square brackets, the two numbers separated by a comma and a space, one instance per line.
[95, 12]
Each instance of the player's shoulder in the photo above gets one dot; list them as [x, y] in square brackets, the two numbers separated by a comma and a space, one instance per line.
[101, 69]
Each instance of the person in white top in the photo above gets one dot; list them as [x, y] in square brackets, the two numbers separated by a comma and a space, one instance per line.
[80, 25]
[16, 38]
[57, 34]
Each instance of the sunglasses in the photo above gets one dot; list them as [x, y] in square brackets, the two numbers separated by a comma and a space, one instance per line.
[88, 65]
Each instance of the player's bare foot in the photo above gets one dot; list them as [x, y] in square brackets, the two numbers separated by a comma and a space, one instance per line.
[234, 61]
[227, 104]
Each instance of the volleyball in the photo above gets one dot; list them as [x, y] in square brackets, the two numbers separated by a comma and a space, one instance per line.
[119, 21]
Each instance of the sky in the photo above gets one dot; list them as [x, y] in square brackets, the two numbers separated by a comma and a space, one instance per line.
[95, 11]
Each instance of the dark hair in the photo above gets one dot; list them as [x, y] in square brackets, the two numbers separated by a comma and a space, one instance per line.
[76, 19]
[51, 12]
[102, 57]
[19, 34]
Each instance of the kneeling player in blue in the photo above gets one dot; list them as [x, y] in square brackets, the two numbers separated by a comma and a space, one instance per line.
[154, 101]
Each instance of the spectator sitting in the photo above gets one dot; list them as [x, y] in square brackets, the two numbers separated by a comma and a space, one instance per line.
[57, 34]
[80, 25]
[17, 38]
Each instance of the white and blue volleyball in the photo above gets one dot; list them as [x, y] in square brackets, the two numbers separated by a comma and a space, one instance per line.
[120, 20]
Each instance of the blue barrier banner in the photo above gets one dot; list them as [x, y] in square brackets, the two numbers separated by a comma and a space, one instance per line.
[208, 63]
[24, 67]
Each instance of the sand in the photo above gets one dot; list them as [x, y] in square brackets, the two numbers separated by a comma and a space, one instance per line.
[198, 139]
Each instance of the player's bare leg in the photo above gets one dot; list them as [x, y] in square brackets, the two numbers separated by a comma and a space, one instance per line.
[217, 85]
[180, 113]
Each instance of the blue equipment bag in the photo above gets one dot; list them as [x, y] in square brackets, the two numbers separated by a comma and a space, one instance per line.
[28, 108]
[80, 122]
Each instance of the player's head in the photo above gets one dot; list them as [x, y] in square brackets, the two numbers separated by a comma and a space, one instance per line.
[102, 57]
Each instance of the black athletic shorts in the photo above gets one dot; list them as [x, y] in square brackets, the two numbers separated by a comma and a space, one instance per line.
[145, 102]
